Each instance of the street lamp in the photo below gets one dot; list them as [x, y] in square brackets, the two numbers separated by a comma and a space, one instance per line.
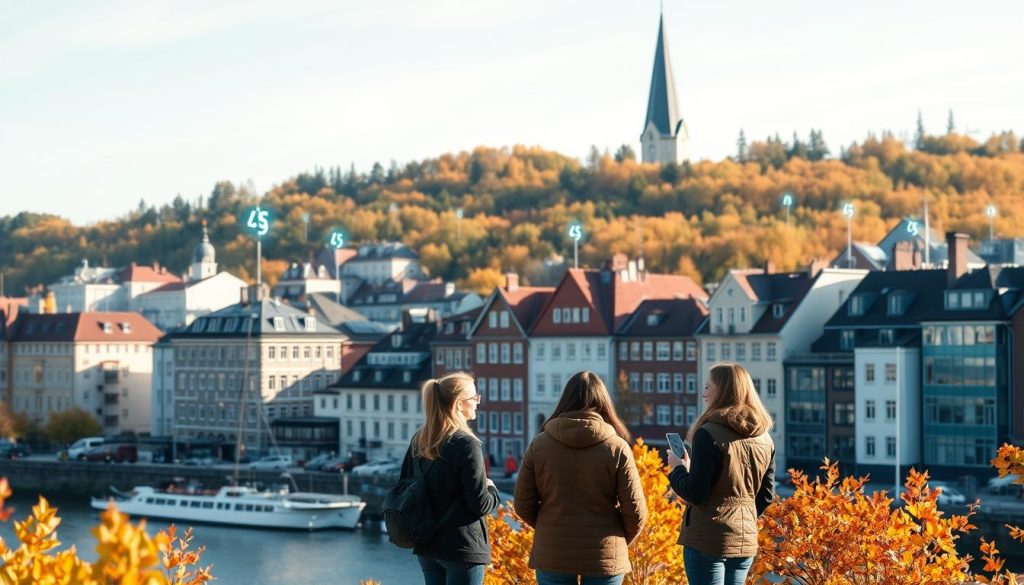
[336, 242]
[991, 212]
[576, 234]
[848, 212]
[787, 202]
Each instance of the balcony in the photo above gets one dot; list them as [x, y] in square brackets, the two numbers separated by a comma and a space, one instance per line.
[111, 399]
[111, 376]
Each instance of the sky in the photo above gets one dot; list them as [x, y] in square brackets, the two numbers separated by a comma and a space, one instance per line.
[106, 103]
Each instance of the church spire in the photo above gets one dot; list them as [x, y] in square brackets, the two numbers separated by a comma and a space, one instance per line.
[664, 139]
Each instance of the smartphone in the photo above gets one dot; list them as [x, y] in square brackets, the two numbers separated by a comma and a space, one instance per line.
[675, 442]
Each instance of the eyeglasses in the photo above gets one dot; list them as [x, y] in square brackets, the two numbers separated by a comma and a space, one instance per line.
[475, 398]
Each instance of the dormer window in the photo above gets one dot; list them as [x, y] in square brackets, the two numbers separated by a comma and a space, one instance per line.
[652, 320]
[378, 376]
[278, 323]
[407, 376]
[778, 310]
[126, 327]
[895, 306]
[396, 340]
[107, 327]
[310, 323]
[856, 306]
[846, 339]
[885, 336]
[356, 376]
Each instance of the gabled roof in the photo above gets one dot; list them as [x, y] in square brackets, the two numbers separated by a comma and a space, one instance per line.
[665, 318]
[526, 302]
[662, 108]
[413, 338]
[458, 321]
[787, 289]
[110, 327]
[331, 312]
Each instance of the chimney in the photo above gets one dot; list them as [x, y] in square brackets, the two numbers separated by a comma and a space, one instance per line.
[254, 293]
[903, 256]
[816, 265]
[769, 267]
[449, 289]
[956, 244]
[631, 269]
[511, 281]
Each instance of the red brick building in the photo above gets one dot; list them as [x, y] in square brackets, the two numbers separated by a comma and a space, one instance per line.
[656, 362]
[501, 364]
[451, 348]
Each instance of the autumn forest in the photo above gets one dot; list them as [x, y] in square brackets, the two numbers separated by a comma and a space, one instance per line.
[698, 219]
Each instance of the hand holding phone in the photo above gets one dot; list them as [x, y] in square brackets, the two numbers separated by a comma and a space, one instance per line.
[676, 444]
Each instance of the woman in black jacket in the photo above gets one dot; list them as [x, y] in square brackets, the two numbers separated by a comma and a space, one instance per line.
[461, 495]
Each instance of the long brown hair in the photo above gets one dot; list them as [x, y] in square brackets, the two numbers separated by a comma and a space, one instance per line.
[585, 391]
[441, 419]
[735, 400]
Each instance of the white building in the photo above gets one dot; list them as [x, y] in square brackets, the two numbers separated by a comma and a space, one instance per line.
[103, 289]
[378, 401]
[757, 319]
[216, 391]
[99, 362]
[888, 397]
[177, 304]
[375, 263]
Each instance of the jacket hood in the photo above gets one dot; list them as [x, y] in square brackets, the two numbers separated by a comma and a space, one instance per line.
[742, 421]
[579, 429]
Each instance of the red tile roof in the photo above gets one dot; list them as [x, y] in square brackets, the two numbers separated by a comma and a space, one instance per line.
[81, 327]
[136, 273]
[526, 302]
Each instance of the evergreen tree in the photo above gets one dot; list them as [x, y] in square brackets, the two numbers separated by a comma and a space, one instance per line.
[798, 149]
[950, 125]
[919, 135]
[593, 157]
[741, 147]
[624, 153]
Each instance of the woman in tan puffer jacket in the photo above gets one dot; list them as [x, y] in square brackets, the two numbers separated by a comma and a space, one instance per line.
[579, 488]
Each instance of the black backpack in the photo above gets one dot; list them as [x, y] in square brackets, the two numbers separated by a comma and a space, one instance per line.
[408, 516]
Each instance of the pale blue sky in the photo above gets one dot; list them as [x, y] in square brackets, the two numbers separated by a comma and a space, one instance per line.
[104, 103]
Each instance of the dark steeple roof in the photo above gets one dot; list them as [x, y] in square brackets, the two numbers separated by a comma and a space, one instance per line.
[662, 108]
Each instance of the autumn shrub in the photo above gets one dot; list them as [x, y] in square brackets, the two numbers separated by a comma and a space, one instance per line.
[655, 557]
[126, 554]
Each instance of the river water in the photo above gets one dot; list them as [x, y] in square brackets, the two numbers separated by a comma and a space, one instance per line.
[249, 557]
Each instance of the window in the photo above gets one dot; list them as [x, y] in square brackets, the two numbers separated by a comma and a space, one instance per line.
[567, 315]
[556, 351]
[541, 385]
[846, 339]
[869, 373]
[506, 422]
[517, 423]
[481, 421]
[662, 351]
[570, 351]
[623, 351]
[732, 316]
[755, 351]
[778, 310]
[648, 351]
[691, 415]
[517, 389]
[556, 316]
[895, 304]
[634, 351]
[271, 353]
[691, 383]
[677, 351]
[481, 353]
[743, 314]
[575, 314]
[885, 336]
[771, 351]
[492, 319]
[439, 357]
[890, 410]
[634, 381]
[517, 353]
[856, 306]
[741, 352]
[587, 351]
[709, 351]
[492, 353]
[677, 383]
[664, 415]
[771, 387]
[691, 351]
[503, 319]
[890, 447]
[869, 410]
[869, 446]
[494, 422]
[506, 353]
[648, 383]
[506, 389]
[677, 416]
[664, 384]
[541, 351]
[890, 372]
[586, 314]
[726, 351]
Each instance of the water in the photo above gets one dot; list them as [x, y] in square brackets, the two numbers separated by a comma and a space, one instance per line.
[245, 556]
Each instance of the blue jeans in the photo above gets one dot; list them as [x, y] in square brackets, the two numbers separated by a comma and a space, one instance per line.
[438, 572]
[545, 578]
[702, 569]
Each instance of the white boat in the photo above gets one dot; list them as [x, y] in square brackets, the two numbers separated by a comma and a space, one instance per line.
[240, 506]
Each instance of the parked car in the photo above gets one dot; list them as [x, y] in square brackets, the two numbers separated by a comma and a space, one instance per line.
[1006, 484]
[948, 495]
[78, 449]
[315, 463]
[13, 449]
[378, 467]
[272, 463]
[112, 453]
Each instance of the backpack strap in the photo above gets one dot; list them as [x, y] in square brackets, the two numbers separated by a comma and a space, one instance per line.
[422, 472]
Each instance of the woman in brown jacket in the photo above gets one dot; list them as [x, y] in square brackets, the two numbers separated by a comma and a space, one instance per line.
[579, 488]
[730, 481]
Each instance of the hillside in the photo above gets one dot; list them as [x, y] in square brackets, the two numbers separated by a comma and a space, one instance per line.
[698, 219]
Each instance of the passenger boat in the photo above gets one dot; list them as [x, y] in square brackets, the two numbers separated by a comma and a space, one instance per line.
[240, 506]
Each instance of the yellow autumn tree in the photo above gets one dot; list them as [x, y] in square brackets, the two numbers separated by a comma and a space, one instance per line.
[126, 554]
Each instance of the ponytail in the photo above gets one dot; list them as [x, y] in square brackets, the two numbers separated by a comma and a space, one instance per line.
[440, 419]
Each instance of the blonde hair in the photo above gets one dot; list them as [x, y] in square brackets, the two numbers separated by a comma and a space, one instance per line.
[440, 397]
[736, 400]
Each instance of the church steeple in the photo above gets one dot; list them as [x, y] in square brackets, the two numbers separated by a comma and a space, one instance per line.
[204, 259]
[664, 138]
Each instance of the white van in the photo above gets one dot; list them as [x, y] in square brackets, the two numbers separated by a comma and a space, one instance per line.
[79, 447]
